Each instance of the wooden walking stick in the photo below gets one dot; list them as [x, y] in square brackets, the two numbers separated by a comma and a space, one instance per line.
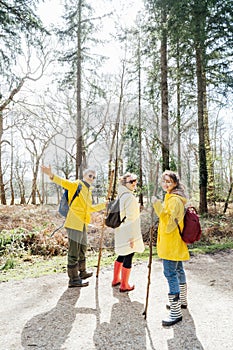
[149, 271]
[149, 264]
[103, 224]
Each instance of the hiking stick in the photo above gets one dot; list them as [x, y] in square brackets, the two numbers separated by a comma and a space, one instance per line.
[149, 264]
[149, 272]
[103, 224]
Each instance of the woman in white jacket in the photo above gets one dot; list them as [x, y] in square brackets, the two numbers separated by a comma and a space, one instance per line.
[128, 237]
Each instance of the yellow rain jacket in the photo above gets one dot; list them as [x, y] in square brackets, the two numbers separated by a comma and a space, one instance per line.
[81, 208]
[170, 246]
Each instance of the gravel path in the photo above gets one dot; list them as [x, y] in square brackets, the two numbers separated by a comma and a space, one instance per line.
[42, 313]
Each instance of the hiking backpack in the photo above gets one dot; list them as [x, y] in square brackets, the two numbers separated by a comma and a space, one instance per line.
[192, 228]
[64, 206]
[113, 218]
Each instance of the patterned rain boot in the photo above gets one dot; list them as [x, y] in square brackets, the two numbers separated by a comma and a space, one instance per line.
[183, 297]
[175, 310]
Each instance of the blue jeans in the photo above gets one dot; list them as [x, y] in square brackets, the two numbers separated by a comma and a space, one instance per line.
[175, 275]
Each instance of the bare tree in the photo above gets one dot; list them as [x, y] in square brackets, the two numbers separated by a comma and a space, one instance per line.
[37, 130]
[20, 171]
[7, 108]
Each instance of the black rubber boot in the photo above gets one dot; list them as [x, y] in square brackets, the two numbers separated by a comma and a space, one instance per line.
[82, 269]
[74, 279]
[175, 310]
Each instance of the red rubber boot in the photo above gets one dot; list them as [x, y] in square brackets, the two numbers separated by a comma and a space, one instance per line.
[125, 287]
[117, 274]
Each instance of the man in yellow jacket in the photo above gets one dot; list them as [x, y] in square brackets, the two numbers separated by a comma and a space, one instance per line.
[77, 220]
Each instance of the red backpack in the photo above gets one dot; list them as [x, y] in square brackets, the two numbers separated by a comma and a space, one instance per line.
[192, 228]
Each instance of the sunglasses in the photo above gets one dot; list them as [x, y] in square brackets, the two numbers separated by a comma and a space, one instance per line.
[131, 181]
[91, 176]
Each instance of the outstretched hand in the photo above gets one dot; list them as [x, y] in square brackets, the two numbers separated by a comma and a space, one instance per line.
[47, 170]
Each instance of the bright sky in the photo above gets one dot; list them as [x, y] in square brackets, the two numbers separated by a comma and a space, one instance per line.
[51, 10]
[124, 12]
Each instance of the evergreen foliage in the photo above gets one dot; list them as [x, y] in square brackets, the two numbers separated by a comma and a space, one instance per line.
[17, 18]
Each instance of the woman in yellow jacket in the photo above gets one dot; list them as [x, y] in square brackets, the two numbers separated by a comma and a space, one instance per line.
[78, 217]
[170, 246]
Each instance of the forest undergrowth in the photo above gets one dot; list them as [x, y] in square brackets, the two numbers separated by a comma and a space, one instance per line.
[30, 247]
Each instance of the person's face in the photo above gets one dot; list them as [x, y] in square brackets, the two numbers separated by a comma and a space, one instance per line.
[131, 183]
[168, 184]
[89, 177]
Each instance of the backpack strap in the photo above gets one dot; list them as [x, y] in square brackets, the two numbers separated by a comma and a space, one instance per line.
[119, 205]
[74, 196]
[123, 194]
[176, 220]
[76, 193]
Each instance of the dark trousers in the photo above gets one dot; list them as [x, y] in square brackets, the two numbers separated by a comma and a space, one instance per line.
[77, 246]
[126, 260]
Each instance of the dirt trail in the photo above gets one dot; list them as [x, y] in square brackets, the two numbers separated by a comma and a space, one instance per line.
[42, 313]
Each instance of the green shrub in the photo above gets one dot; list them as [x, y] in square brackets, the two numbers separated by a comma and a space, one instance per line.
[9, 264]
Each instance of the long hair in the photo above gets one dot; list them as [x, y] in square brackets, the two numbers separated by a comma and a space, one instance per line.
[179, 188]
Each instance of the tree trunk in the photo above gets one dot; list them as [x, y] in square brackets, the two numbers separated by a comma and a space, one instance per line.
[140, 122]
[228, 197]
[209, 155]
[11, 172]
[34, 188]
[178, 117]
[199, 25]
[2, 186]
[115, 140]
[79, 136]
[164, 95]
[203, 175]
[20, 181]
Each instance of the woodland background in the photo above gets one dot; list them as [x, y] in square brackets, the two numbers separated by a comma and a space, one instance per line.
[142, 87]
[138, 86]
